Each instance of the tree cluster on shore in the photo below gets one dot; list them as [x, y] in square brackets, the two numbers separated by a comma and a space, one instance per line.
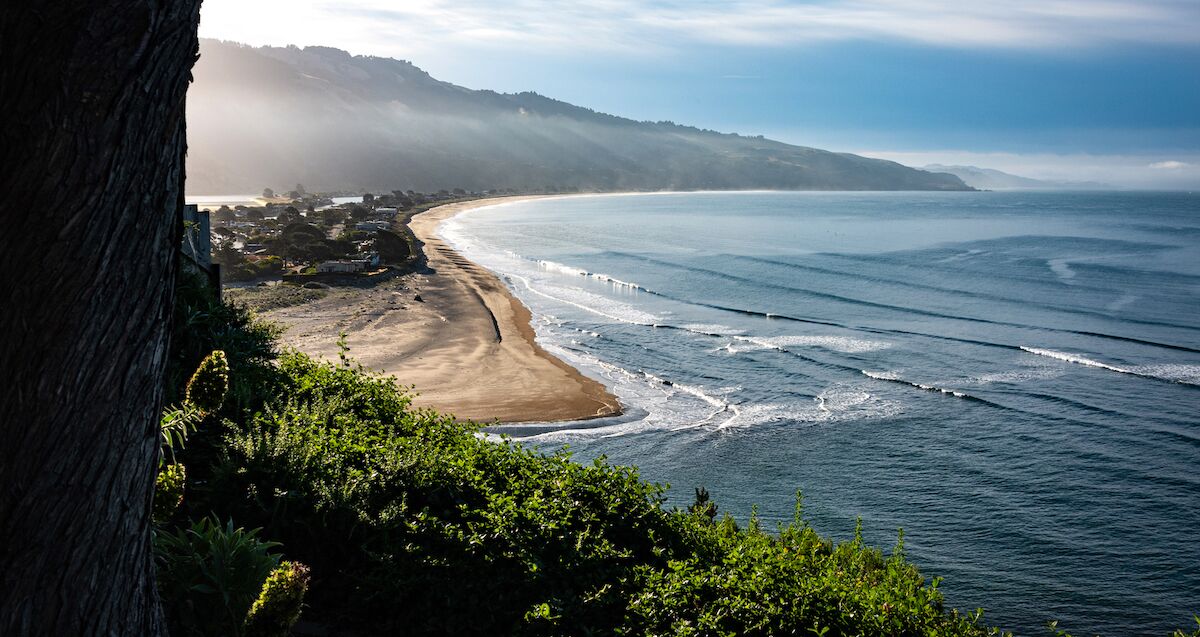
[256, 243]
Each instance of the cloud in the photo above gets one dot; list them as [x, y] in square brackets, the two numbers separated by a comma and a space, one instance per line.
[631, 26]
[1169, 165]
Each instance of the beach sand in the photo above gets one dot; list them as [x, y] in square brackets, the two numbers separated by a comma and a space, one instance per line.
[467, 347]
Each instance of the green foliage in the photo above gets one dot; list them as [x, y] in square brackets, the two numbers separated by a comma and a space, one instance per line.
[207, 388]
[272, 297]
[703, 507]
[177, 423]
[203, 395]
[414, 521]
[279, 603]
[244, 270]
[168, 491]
[209, 575]
[392, 247]
[793, 582]
[333, 216]
[202, 324]
[1183, 633]
[354, 235]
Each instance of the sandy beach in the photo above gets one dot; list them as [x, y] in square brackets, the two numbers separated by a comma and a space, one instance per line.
[466, 346]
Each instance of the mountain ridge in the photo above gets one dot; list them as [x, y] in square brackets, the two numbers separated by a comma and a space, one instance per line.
[334, 121]
[990, 178]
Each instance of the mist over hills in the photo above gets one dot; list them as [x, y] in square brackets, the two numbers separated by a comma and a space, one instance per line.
[990, 178]
[332, 121]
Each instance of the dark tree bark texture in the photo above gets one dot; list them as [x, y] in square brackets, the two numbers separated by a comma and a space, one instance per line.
[91, 187]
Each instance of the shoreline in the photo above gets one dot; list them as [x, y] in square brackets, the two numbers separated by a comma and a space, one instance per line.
[467, 347]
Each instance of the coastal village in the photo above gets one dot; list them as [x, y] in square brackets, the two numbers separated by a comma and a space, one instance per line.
[309, 239]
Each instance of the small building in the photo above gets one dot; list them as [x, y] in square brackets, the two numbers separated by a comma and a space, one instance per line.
[341, 266]
[387, 213]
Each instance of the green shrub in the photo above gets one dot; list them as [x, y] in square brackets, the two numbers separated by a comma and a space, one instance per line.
[793, 582]
[168, 491]
[203, 323]
[204, 394]
[279, 603]
[414, 521]
[245, 270]
[207, 388]
[209, 575]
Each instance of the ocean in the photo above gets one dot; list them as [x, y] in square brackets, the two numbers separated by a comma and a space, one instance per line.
[1013, 379]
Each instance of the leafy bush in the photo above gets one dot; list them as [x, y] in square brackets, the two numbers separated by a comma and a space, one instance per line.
[414, 521]
[207, 387]
[209, 575]
[202, 324]
[789, 583]
[278, 605]
[247, 270]
[204, 394]
[168, 491]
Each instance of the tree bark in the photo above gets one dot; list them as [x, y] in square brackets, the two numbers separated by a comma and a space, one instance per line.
[91, 188]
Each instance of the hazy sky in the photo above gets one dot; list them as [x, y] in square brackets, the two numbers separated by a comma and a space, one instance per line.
[1104, 90]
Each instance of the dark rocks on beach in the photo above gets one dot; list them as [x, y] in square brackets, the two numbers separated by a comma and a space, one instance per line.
[314, 285]
[418, 299]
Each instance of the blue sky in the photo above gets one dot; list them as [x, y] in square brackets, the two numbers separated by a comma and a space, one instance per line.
[1103, 90]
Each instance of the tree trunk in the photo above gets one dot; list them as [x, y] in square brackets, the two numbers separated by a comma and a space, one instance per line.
[91, 188]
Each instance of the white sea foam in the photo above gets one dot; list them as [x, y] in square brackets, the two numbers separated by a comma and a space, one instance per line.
[961, 255]
[835, 404]
[594, 303]
[1121, 303]
[617, 282]
[1062, 269]
[1171, 372]
[560, 268]
[1015, 376]
[749, 344]
[895, 378]
[1075, 358]
[843, 344]
[712, 328]
[570, 270]
[1180, 373]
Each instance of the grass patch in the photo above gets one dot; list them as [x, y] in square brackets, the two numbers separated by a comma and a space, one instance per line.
[272, 297]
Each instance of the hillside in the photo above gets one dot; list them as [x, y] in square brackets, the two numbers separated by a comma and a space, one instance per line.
[991, 178]
[319, 116]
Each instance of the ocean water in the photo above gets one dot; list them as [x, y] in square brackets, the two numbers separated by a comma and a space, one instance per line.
[1012, 378]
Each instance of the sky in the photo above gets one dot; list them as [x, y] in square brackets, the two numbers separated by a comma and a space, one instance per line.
[1087, 90]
